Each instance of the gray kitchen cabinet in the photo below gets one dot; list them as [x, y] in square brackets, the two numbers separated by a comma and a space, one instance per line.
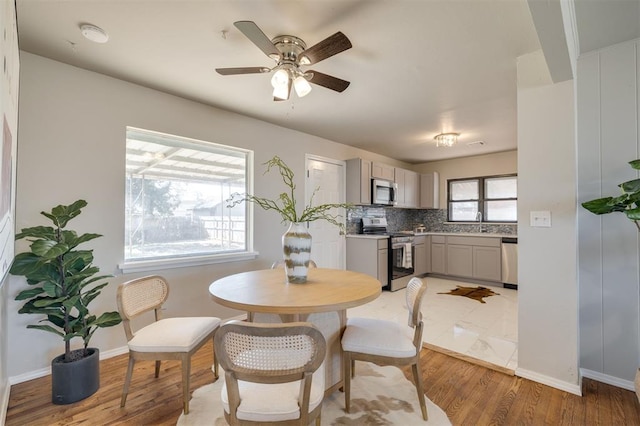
[487, 263]
[383, 265]
[408, 188]
[382, 171]
[422, 260]
[358, 175]
[438, 254]
[460, 260]
[474, 257]
[429, 190]
[369, 256]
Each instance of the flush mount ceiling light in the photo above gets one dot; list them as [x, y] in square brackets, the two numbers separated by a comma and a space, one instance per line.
[93, 33]
[446, 139]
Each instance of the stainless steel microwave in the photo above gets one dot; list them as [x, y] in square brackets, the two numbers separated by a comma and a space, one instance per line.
[383, 192]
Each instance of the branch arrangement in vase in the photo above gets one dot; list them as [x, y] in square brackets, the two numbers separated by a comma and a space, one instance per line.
[286, 204]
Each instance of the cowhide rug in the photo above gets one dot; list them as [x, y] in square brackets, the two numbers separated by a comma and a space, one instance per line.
[475, 293]
[380, 396]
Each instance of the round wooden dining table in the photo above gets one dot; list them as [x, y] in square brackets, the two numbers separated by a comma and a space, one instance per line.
[323, 300]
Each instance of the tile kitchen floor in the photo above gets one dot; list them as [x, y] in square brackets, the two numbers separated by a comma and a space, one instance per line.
[484, 331]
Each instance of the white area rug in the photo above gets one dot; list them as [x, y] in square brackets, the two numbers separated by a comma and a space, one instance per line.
[379, 396]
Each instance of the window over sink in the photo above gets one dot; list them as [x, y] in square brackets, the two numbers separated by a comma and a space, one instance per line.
[483, 199]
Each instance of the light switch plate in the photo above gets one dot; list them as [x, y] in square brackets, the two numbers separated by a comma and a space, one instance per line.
[541, 219]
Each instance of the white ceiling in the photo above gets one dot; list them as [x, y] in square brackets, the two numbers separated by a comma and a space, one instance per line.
[417, 68]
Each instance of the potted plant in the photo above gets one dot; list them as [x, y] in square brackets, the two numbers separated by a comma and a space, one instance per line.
[62, 283]
[628, 203]
[296, 242]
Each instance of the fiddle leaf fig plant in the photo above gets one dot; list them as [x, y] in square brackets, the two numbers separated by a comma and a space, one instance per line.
[62, 280]
[628, 202]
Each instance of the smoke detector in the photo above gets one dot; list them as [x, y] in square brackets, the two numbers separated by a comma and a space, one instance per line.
[93, 33]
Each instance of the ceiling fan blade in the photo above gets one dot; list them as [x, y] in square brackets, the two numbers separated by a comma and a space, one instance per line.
[244, 70]
[328, 47]
[255, 34]
[330, 82]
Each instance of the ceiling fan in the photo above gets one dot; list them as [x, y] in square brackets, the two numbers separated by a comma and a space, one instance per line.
[290, 53]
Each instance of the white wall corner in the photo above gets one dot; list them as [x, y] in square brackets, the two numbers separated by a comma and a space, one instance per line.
[605, 378]
[573, 388]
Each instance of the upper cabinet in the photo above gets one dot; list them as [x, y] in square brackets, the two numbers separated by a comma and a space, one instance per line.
[382, 171]
[408, 188]
[429, 191]
[358, 181]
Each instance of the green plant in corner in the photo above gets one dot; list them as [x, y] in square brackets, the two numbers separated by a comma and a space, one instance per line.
[62, 280]
[628, 202]
[286, 203]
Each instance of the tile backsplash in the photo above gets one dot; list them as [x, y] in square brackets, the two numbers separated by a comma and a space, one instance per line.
[434, 220]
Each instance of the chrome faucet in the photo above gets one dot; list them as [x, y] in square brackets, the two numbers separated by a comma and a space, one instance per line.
[479, 219]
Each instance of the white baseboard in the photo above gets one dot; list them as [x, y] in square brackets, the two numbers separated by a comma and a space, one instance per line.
[36, 374]
[575, 389]
[4, 402]
[605, 378]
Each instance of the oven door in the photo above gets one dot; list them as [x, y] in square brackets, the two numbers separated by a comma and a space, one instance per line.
[402, 260]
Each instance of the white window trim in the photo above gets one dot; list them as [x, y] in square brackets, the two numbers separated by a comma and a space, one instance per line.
[173, 262]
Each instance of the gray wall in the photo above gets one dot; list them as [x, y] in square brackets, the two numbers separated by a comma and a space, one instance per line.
[72, 145]
[608, 113]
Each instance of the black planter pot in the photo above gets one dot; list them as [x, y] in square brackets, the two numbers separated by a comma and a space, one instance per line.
[77, 380]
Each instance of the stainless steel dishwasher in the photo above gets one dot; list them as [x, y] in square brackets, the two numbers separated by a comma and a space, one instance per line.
[510, 262]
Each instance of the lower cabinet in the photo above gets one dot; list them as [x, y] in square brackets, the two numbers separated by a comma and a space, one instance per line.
[460, 260]
[438, 254]
[422, 256]
[467, 257]
[487, 263]
[369, 256]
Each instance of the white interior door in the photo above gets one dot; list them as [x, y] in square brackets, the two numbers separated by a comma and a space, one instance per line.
[327, 178]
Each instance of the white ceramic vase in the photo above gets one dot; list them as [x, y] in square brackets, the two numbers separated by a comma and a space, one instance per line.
[296, 244]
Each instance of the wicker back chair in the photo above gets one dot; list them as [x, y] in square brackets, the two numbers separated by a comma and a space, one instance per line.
[163, 339]
[386, 342]
[272, 372]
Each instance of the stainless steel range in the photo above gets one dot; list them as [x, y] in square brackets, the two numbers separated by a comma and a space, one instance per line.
[401, 251]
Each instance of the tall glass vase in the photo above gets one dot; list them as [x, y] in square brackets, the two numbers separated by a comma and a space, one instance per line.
[296, 244]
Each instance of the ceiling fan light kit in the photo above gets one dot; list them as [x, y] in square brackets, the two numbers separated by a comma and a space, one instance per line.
[291, 53]
[446, 139]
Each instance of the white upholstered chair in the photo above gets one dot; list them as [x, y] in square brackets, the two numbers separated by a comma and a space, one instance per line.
[273, 372]
[163, 339]
[387, 342]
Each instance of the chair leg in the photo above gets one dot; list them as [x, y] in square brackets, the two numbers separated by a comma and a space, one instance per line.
[318, 419]
[157, 368]
[347, 367]
[215, 360]
[418, 381]
[127, 381]
[186, 371]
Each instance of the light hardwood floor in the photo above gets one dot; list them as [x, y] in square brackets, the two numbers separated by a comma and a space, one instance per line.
[469, 393]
